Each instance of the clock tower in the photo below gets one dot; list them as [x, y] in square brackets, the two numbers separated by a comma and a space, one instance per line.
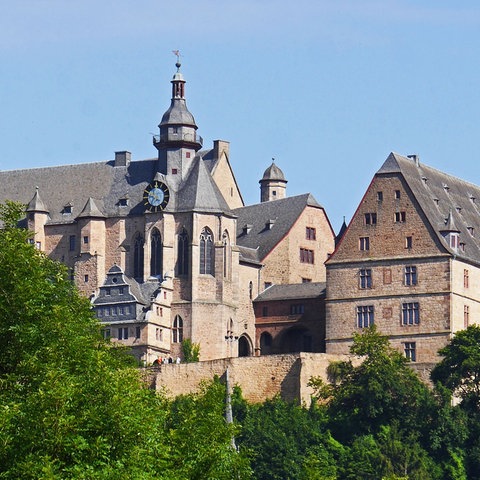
[178, 141]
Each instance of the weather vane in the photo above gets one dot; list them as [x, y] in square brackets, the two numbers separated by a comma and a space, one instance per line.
[177, 53]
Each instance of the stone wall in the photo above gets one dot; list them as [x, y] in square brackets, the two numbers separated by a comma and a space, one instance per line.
[260, 378]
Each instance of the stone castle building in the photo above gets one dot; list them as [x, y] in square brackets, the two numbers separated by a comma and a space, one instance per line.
[167, 250]
[409, 261]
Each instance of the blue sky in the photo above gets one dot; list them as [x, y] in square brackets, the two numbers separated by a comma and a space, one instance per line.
[327, 88]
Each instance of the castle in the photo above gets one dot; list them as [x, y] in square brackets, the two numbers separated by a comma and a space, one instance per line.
[166, 250]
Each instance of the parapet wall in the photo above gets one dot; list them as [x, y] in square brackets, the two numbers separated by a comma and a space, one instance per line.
[260, 378]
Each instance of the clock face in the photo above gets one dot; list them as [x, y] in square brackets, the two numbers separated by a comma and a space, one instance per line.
[156, 196]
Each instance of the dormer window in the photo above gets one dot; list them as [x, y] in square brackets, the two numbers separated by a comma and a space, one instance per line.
[67, 209]
[471, 231]
[446, 188]
[435, 200]
[123, 202]
[453, 238]
[459, 209]
[472, 198]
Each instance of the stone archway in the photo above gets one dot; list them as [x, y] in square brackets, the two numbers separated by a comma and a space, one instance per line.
[244, 346]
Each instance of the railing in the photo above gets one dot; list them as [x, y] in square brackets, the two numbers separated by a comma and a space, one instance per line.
[177, 137]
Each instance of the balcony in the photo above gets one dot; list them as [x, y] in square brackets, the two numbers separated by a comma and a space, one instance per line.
[196, 141]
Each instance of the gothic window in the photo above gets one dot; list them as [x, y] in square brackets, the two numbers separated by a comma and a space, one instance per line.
[156, 253]
[182, 253]
[226, 254]
[206, 252]
[177, 329]
[138, 257]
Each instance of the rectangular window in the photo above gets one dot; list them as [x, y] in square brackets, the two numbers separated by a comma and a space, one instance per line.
[85, 239]
[123, 333]
[297, 309]
[370, 219]
[466, 280]
[72, 242]
[397, 194]
[310, 233]
[466, 316]
[365, 316]
[187, 154]
[85, 278]
[410, 351]
[410, 313]
[267, 285]
[408, 242]
[410, 275]
[159, 334]
[264, 311]
[108, 292]
[365, 278]
[364, 243]
[400, 217]
[114, 310]
[121, 290]
[306, 256]
[137, 332]
[106, 333]
[174, 171]
[380, 196]
[306, 280]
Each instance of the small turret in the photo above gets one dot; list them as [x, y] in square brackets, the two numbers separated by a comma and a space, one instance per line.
[273, 185]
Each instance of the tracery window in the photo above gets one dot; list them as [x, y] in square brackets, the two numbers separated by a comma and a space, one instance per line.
[177, 329]
[182, 253]
[156, 253]
[207, 252]
[138, 257]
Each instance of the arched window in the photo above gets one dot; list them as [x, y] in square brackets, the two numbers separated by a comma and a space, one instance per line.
[226, 254]
[182, 253]
[156, 253]
[207, 265]
[138, 257]
[177, 329]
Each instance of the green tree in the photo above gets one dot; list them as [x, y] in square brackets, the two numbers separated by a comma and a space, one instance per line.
[459, 370]
[73, 405]
[190, 350]
[380, 390]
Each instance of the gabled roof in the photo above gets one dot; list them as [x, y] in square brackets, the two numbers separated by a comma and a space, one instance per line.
[199, 191]
[75, 184]
[90, 210]
[450, 204]
[269, 222]
[293, 291]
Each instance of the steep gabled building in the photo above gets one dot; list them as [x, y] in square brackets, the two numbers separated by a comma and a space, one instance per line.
[409, 261]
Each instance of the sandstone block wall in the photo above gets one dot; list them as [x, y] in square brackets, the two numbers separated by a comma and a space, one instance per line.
[260, 378]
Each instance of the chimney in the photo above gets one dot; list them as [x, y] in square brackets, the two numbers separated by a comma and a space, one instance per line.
[122, 159]
[415, 158]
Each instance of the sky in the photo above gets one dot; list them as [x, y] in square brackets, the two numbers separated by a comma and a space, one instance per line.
[326, 88]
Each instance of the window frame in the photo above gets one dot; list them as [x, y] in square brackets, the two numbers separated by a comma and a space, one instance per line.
[365, 278]
[410, 314]
[365, 316]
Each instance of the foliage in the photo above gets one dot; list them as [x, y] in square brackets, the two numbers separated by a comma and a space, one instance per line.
[379, 391]
[190, 350]
[73, 405]
[459, 370]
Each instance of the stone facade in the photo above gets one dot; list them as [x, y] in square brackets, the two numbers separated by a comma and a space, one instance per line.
[394, 266]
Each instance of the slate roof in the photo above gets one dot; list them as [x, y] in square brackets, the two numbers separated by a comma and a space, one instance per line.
[95, 189]
[449, 203]
[273, 173]
[294, 291]
[280, 214]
